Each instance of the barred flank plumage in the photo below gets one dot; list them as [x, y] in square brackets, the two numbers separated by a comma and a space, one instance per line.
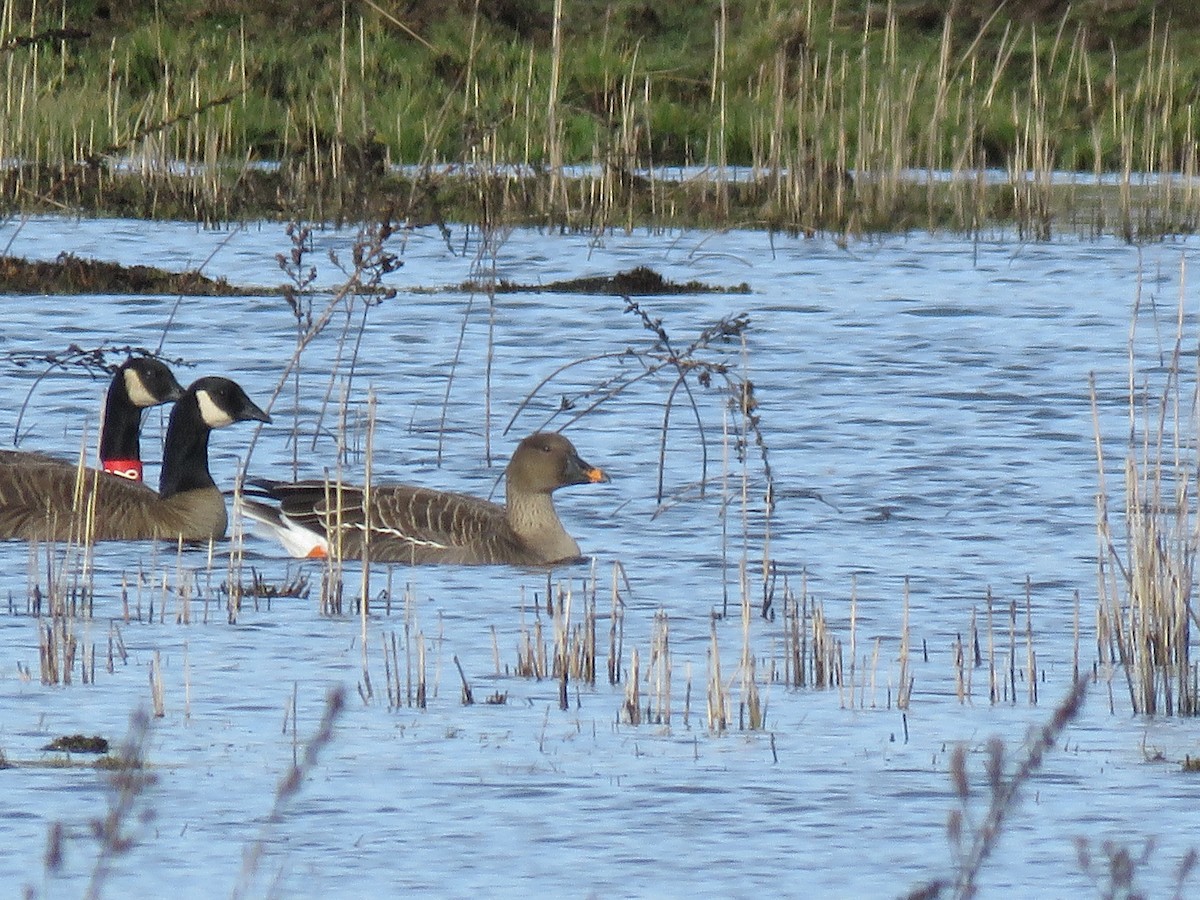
[416, 525]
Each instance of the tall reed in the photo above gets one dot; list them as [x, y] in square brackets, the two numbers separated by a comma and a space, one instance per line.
[1146, 606]
[841, 120]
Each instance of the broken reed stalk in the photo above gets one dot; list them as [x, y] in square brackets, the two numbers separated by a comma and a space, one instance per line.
[960, 670]
[718, 697]
[563, 658]
[410, 626]
[531, 650]
[554, 136]
[584, 652]
[660, 668]
[905, 684]
[1010, 685]
[65, 601]
[364, 601]
[468, 697]
[422, 690]
[993, 672]
[1030, 654]
[631, 708]
[237, 551]
[391, 670]
[801, 638]
[853, 634]
[616, 627]
[157, 689]
[793, 669]
[750, 709]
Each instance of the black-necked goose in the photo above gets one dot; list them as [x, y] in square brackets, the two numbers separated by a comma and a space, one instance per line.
[138, 383]
[50, 501]
[418, 525]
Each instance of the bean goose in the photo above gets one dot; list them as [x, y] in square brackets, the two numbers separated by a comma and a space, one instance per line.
[140, 382]
[46, 500]
[417, 525]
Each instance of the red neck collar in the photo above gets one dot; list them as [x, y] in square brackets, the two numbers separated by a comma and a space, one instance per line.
[124, 468]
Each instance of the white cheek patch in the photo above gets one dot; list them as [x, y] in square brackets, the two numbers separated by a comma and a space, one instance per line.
[211, 412]
[137, 391]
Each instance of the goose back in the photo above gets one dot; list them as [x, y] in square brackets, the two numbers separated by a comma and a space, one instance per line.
[50, 500]
[408, 524]
[42, 498]
[415, 525]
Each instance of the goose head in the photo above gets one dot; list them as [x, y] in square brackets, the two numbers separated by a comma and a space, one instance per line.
[546, 461]
[148, 382]
[221, 402]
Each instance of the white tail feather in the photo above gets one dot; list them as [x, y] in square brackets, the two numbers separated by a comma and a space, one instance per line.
[298, 541]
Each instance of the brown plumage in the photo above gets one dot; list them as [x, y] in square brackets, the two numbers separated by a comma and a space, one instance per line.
[417, 525]
[42, 498]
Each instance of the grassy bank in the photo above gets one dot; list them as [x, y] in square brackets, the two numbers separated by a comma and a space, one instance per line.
[830, 105]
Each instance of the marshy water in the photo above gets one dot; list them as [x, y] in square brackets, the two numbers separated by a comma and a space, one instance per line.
[925, 404]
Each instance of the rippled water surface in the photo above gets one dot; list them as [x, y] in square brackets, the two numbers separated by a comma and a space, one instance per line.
[925, 403]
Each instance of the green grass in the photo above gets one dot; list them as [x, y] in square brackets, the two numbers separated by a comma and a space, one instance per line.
[805, 86]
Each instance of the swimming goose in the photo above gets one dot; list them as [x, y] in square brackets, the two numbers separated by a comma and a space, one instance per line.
[140, 382]
[418, 525]
[38, 499]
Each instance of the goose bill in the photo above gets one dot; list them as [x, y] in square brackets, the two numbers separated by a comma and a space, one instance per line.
[596, 475]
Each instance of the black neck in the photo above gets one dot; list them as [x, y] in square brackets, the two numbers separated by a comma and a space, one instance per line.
[185, 452]
[122, 422]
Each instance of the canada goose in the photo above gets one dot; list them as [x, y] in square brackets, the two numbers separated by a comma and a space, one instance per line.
[138, 383]
[44, 499]
[418, 525]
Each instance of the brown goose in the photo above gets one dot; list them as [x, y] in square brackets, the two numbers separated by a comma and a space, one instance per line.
[418, 525]
[139, 382]
[44, 499]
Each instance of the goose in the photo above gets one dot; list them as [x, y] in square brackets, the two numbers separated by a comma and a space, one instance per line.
[43, 499]
[418, 525]
[138, 383]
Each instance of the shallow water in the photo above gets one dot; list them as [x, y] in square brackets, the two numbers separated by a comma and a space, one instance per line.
[925, 403]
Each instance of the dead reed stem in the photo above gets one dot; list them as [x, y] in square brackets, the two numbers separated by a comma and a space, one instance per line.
[660, 668]
[905, 685]
[1145, 608]
[631, 707]
[718, 695]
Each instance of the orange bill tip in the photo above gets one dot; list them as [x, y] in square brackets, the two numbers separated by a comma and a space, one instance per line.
[596, 476]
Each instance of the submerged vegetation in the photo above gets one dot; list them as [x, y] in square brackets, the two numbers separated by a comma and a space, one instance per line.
[845, 117]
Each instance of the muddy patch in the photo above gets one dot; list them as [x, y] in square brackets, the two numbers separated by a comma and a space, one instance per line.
[642, 281]
[70, 274]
